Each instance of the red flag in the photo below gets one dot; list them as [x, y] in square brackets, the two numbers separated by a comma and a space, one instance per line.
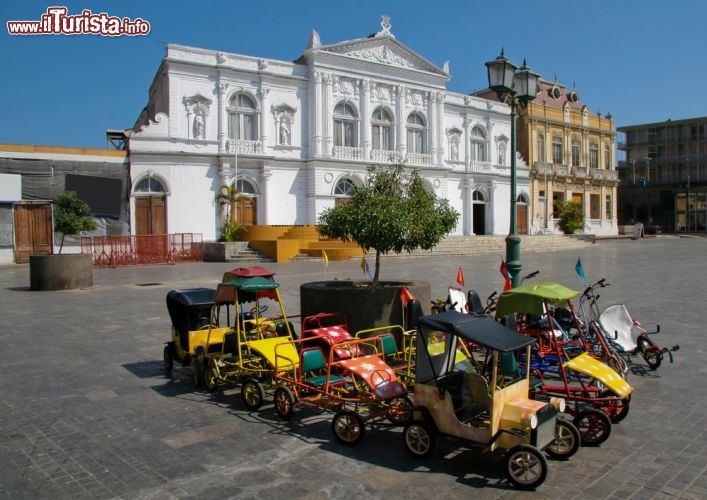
[507, 285]
[460, 276]
[405, 295]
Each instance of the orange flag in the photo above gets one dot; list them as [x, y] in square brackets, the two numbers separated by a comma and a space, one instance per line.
[460, 276]
[405, 295]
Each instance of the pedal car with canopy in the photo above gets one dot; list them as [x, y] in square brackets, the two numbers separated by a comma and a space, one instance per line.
[456, 400]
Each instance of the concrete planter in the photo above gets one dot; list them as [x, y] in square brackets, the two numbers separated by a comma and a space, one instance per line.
[221, 251]
[60, 272]
[365, 306]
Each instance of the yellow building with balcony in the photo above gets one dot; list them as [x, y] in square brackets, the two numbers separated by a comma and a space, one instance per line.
[571, 154]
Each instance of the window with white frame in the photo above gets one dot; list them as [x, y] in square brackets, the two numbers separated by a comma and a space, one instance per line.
[594, 155]
[416, 133]
[541, 147]
[478, 144]
[557, 149]
[607, 156]
[345, 125]
[345, 187]
[242, 118]
[382, 129]
[576, 152]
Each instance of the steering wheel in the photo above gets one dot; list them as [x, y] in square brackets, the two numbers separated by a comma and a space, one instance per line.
[380, 377]
[262, 309]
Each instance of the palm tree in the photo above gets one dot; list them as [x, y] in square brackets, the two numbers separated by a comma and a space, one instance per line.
[229, 195]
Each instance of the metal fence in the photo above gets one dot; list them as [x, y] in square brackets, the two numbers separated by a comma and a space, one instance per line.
[113, 251]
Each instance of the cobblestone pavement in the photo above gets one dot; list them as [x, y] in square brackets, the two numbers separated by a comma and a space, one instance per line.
[87, 410]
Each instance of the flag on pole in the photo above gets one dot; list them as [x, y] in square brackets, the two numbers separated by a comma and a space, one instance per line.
[507, 285]
[460, 276]
[405, 295]
[366, 270]
[580, 271]
[326, 260]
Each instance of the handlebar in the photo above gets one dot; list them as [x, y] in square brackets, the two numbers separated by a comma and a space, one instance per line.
[531, 275]
[599, 284]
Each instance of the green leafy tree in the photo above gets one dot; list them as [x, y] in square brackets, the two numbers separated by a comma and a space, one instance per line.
[71, 215]
[391, 212]
[569, 215]
[229, 195]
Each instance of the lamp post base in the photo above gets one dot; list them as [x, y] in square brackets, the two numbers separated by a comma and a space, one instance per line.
[513, 265]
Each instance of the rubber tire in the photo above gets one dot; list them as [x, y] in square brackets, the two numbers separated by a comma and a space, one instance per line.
[523, 459]
[211, 381]
[284, 402]
[419, 438]
[567, 440]
[348, 427]
[653, 360]
[397, 417]
[252, 393]
[594, 426]
[168, 358]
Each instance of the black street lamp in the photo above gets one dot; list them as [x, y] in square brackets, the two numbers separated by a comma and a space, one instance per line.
[516, 87]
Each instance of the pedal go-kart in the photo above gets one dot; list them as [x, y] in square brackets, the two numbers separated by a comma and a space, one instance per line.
[246, 354]
[586, 383]
[481, 412]
[361, 388]
[190, 311]
[325, 330]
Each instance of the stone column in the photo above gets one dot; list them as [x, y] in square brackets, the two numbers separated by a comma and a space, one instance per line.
[400, 119]
[263, 91]
[316, 114]
[432, 125]
[440, 129]
[327, 116]
[468, 204]
[264, 195]
[366, 118]
[222, 133]
[467, 145]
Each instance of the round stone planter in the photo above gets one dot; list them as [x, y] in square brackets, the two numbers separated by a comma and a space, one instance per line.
[60, 272]
[364, 306]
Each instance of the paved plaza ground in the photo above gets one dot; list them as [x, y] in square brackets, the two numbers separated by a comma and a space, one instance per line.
[87, 410]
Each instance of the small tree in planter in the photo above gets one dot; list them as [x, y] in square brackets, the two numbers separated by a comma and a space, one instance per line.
[229, 195]
[391, 212]
[570, 217]
[71, 215]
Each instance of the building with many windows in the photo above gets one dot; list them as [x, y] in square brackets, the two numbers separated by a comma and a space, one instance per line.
[296, 136]
[571, 153]
[664, 175]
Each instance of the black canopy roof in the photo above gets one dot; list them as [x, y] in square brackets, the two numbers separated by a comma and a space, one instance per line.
[483, 330]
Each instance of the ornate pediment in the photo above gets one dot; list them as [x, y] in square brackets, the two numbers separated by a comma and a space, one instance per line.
[379, 48]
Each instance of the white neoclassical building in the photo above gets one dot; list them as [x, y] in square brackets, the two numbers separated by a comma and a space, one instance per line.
[296, 136]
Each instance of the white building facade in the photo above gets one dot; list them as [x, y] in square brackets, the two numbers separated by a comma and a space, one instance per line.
[296, 136]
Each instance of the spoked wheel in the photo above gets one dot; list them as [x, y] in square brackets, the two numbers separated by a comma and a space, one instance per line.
[567, 440]
[419, 438]
[618, 364]
[617, 409]
[348, 427]
[594, 426]
[652, 356]
[168, 358]
[252, 393]
[210, 377]
[399, 410]
[284, 402]
[526, 467]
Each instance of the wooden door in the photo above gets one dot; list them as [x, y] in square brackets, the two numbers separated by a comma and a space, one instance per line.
[522, 218]
[150, 226]
[246, 212]
[33, 230]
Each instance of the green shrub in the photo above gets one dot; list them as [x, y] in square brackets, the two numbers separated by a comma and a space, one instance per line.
[569, 215]
[71, 215]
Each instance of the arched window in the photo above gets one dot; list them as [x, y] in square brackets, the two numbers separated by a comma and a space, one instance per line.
[245, 187]
[478, 197]
[149, 184]
[382, 129]
[345, 125]
[522, 198]
[242, 118]
[478, 144]
[417, 133]
[345, 187]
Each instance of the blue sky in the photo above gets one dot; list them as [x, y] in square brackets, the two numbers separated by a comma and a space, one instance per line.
[633, 58]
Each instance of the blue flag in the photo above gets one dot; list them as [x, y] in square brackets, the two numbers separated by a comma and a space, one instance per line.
[580, 271]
